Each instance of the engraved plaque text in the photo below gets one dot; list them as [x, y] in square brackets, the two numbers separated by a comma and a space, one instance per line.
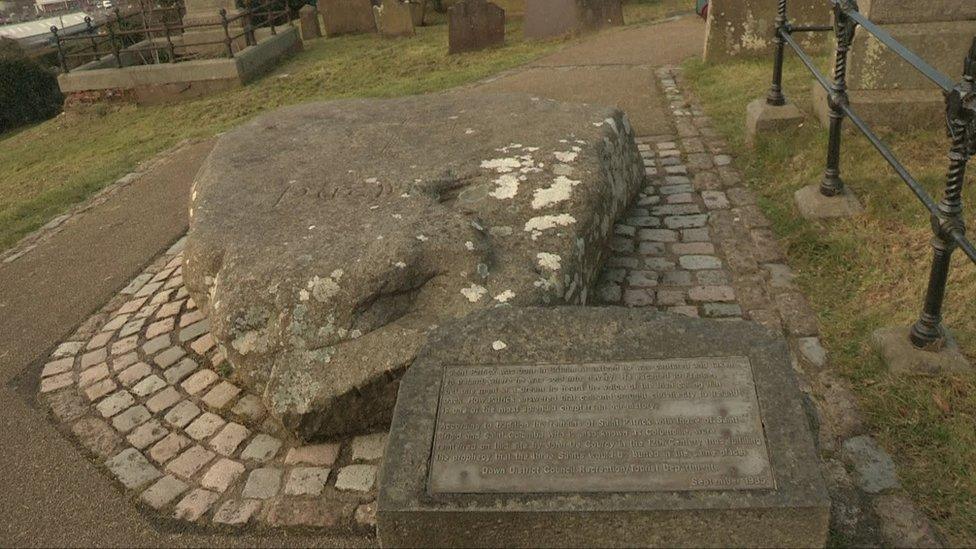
[653, 425]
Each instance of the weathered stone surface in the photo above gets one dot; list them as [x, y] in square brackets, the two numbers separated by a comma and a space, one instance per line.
[887, 91]
[814, 205]
[347, 16]
[328, 252]
[901, 357]
[763, 118]
[308, 16]
[549, 18]
[744, 28]
[394, 18]
[874, 467]
[474, 25]
[902, 525]
[794, 513]
[913, 11]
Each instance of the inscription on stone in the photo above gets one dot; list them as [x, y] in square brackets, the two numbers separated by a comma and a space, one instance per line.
[652, 425]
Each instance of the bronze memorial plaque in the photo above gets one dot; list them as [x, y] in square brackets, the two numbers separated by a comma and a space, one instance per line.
[650, 425]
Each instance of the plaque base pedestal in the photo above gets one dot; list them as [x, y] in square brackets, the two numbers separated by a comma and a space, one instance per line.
[600, 427]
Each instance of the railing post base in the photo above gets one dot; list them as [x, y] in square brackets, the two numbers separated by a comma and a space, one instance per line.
[896, 350]
[763, 118]
[814, 205]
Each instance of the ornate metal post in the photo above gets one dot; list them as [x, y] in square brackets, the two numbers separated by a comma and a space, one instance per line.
[775, 96]
[115, 46]
[844, 26]
[927, 332]
[57, 40]
[169, 42]
[227, 40]
[249, 37]
[271, 17]
[91, 37]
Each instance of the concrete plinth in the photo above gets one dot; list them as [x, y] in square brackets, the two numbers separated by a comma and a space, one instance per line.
[600, 427]
[763, 118]
[901, 356]
[814, 205]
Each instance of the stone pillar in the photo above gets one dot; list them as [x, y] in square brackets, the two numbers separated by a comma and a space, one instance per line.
[887, 91]
[745, 28]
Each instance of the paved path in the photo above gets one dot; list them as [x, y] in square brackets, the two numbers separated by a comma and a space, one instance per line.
[52, 495]
[614, 68]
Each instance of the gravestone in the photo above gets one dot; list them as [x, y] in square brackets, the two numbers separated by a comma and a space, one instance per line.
[570, 427]
[328, 239]
[394, 18]
[474, 25]
[887, 91]
[206, 34]
[746, 28]
[418, 9]
[308, 15]
[347, 16]
[551, 18]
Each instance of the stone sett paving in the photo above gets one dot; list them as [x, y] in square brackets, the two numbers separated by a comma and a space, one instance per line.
[695, 243]
[141, 385]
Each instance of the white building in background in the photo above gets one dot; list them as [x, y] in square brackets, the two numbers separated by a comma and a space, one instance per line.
[38, 32]
[54, 6]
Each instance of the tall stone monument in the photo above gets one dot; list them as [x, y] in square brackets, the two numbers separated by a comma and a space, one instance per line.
[746, 28]
[551, 18]
[887, 91]
[610, 427]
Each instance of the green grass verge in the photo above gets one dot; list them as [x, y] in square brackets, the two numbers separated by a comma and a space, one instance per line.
[867, 272]
[46, 168]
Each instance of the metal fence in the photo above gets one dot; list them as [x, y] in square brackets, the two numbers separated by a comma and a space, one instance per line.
[155, 35]
[948, 224]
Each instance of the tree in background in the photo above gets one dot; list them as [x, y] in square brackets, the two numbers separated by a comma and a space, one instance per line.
[28, 91]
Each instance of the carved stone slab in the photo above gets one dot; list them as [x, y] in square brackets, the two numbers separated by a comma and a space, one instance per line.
[679, 424]
[592, 426]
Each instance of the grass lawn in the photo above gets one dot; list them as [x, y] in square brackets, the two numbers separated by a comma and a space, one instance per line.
[868, 272]
[46, 168]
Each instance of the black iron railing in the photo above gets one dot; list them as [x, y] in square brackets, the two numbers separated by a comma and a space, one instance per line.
[948, 225]
[154, 35]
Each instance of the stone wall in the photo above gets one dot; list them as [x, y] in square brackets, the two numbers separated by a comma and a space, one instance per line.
[745, 28]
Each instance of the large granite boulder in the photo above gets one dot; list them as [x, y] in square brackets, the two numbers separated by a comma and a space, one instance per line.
[328, 239]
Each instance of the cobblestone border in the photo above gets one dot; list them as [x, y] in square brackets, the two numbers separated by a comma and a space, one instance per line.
[696, 243]
[56, 225]
[139, 386]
